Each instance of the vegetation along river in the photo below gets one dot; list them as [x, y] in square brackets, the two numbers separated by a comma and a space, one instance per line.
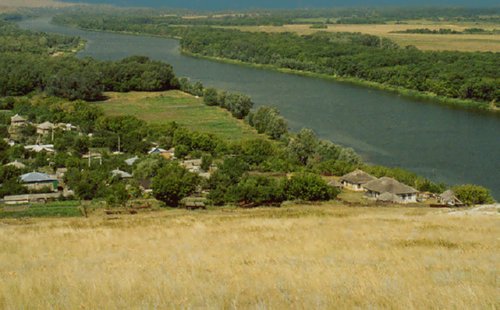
[448, 145]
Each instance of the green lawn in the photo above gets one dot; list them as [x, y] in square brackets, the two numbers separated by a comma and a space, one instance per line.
[187, 110]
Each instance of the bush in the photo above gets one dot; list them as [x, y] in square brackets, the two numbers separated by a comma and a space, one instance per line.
[473, 194]
[259, 190]
[308, 187]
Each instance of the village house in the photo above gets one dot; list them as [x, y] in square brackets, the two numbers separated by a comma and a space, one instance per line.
[37, 148]
[132, 161]
[16, 164]
[404, 193]
[117, 173]
[18, 121]
[355, 180]
[36, 181]
[66, 127]
[448, 198]
[45, 128]
[167, 154]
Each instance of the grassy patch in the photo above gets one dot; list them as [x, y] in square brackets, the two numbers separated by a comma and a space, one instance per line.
[54, 209]
[187, 110]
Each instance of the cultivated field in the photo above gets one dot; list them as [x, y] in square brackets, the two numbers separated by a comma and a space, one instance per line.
[296, 257]
[187, 110]
[458, 42]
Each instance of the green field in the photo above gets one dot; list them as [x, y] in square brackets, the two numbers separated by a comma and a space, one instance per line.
[53, 209]
[186, 110]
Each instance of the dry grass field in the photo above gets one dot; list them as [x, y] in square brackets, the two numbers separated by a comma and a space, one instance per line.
[458, 42]
[295, 257]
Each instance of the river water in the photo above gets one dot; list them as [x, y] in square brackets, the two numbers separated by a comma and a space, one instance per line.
[447, 145]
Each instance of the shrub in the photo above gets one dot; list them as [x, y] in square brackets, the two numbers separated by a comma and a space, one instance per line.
[473, 194]
[173, 183]
[309, 187]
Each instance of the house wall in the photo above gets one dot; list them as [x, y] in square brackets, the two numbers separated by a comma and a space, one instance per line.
[352, 186]
[409, 198]
[39, 186]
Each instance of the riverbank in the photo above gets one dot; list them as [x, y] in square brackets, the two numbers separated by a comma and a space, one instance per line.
[424, 96]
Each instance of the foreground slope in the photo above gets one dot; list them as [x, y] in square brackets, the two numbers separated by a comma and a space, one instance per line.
[297, 256]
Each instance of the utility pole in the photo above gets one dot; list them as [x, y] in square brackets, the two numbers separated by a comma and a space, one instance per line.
[119, 144]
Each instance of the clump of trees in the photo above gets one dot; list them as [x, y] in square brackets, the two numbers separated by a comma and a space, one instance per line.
[473, 194]
[26, 66]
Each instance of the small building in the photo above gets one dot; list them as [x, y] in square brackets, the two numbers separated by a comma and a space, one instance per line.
[448, 198]
[121, 174]
[36, 181]
[132, 161]
[355, 180]
[37, 148]
[45, 128]
[376, 188]
[18, 121]
[157, 150]
[65, 127]
[167, 154]
[16, 164]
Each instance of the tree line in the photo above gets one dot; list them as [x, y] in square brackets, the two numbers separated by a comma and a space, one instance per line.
[458, 75]
[29, 63]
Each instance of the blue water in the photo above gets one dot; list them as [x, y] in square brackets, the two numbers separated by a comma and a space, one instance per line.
[448, 145]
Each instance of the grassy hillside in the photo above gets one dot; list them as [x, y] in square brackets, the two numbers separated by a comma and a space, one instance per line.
[185, 109]
[303, 257]
[431, 42]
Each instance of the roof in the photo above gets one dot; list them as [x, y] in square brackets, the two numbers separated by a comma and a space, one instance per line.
[389, 185]
[16, 164]
[388, 197]
[17, 118]
[36, 177]
[157, 150]
[121, 174]
[45, 125]
[39, 148]
[449, 197]
[358, 177]
[132, 160]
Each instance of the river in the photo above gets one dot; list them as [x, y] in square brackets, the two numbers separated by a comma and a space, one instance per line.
[447, 145]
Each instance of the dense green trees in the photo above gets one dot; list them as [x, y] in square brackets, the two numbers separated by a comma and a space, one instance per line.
[26, 66]
[268, 120]
[173, 183]
[473, 194]
[352, 55]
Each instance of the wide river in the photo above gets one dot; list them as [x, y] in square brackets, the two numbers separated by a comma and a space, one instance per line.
[444, 144]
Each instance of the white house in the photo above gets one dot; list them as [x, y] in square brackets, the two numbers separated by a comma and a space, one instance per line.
[377, 189]
[356, 179]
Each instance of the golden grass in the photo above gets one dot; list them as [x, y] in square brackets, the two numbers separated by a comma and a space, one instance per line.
[303, 257]
[185, 109]
[32, 3]
[460, 42]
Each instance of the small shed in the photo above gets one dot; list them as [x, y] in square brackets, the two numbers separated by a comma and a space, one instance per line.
[448, 198]
[18, 120]
[356, 179]
[44, 128]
